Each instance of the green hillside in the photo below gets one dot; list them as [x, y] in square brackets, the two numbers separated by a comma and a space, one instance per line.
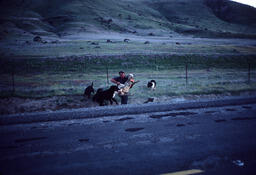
[140, 17]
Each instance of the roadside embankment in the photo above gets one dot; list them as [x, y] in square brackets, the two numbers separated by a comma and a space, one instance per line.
[119, 110]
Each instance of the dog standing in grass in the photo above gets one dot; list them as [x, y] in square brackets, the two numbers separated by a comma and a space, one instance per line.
[152, 85]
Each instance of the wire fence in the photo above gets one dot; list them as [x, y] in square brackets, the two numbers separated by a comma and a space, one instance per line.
[28, 77]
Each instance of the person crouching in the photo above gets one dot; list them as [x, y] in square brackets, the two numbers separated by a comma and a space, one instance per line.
[124, 83]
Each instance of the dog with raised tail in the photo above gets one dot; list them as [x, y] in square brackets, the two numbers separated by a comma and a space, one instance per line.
[152, 84]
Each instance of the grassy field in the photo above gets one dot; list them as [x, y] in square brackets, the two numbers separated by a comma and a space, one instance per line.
[205, 75]
[118, 47]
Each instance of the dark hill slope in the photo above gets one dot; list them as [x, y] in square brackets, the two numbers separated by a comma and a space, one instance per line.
[76, 16]
[202, 17]
[141, 17]
[233, 12]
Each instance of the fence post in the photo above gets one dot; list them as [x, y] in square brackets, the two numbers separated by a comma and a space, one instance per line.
[186, 73]
[107, 73]
[85, 64]
[249, 72]
[156, 67]
[13, 84]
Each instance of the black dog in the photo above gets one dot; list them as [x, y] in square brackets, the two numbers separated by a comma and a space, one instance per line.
[152, 84]
[108, 94]
[89, 90]
[97, 95]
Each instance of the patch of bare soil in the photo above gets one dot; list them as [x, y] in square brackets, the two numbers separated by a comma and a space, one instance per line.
[13, 105]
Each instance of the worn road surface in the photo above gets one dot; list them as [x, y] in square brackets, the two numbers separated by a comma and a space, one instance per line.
[211, 139]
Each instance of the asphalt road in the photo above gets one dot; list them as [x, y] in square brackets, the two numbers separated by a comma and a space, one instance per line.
[203, 139]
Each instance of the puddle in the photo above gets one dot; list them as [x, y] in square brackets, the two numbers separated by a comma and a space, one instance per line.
[180, 125]
[29, 139]
[133, 129]
[220, 120]
[83, 140]
[244, 118]
[247, 107]
[230, 109]
[173, 114]
[125, 118]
